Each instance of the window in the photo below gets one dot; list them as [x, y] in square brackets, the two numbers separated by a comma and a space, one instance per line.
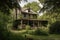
[24, 15]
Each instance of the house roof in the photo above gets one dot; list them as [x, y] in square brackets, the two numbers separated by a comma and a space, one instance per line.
[28, 10]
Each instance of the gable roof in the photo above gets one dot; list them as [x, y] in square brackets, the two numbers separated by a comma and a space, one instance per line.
[28, 10]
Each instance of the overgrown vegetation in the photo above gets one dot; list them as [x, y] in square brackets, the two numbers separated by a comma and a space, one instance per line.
[34, 6]
[28, 27]
[53, 19]
[40, 32]
[3, 24]
[55, 28]
[5, 19]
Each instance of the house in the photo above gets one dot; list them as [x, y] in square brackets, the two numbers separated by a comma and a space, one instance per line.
[29, 17]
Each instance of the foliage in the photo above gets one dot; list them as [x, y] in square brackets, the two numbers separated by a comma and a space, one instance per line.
[3, 24]
[11, 36]
[3, 20]
[55, 28]
[5, 34]
[51, 5]
[51, 17]
[53, 9]
[40, 32]
[5, 6]
[34, 6]
[9, 3]
[15, 24]
[42, 1]
[28, 27]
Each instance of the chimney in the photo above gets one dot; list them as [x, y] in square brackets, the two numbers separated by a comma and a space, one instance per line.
[29, 9]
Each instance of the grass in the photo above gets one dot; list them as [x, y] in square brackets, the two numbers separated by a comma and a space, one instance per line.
[50, 37]
[37, 37]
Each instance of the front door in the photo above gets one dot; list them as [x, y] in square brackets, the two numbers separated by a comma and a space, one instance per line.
[31, 23]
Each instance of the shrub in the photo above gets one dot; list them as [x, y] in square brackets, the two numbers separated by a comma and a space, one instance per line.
[28, 27]
[55, 28]
[15, 24]
[40, 31]
[11, 36]
[5, 34]
[3, 25]
[31, 31]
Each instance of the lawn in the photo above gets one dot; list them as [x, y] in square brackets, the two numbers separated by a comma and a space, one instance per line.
[38, 37]
[50, 37]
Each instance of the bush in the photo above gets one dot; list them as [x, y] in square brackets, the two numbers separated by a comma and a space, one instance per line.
[30, 31]
[55, 28]
[15, 24]
[5, 34]
[11, 36]
[40, 32]
[3, 25]
[28, 27]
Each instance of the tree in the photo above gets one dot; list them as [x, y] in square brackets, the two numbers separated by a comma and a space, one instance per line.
[34, 6]
[42, 1]
[53, 15]
[52, 8]
[51, 5]
[5, 6]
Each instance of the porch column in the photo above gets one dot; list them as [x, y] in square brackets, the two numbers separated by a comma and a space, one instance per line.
[38, 23]
[28, 22]
[33, 23]
[21, 23]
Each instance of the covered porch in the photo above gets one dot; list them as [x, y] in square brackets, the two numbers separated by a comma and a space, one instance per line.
[33, 23]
